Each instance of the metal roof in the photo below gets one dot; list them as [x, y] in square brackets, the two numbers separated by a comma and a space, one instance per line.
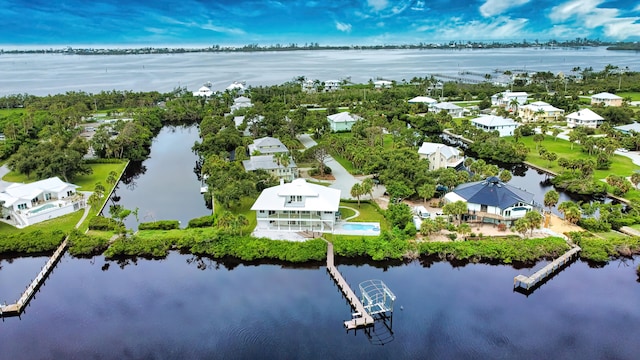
[493, 192]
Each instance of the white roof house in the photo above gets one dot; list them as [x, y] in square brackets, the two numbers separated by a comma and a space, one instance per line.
[539, 111]
[451, 109]
[606, 99]
[297, 206]
[240, 103]
[422, 100]
[267, 145]
[271, 165]
[31, 203]
[505, 98]
[239, 120]
[204, 91]
[382, 84]
[342, 121]
[440, 155]
[331, 85]
[584, 117]
[504, 126]
[236, 86]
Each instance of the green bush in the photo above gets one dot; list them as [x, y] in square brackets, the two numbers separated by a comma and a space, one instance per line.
[82, 244]
[31, 242]
[387, 246]
[204, 221]
[160, 225]
[102, 223]
[594, 225]
[601, 250]
[505, 250]
[103, 161]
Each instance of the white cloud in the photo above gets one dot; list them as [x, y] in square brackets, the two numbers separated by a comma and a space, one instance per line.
[497, 7]
[637, 8]
[586, 13]
[497, 28]
[221, 29]
[378, 5]
[344, 27]
[380, 24]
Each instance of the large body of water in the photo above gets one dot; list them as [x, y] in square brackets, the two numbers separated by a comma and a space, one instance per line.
[55, 73]
[186, 307]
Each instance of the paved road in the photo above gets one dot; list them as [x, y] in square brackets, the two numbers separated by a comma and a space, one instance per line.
[4, 170]
[344, 180]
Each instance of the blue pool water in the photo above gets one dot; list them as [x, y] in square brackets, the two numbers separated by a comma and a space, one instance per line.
[44, 207]
[361, 227]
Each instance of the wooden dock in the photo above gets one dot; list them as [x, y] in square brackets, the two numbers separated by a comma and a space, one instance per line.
[360, 318]
[17, 308]
[530, 282]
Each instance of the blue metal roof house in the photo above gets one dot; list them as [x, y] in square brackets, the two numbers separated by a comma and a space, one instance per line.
[492, 201]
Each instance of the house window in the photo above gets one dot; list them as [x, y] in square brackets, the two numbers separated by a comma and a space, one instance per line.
[261, 211]
[22, 206]
[69, 192]
[47, 196]
[272, 212]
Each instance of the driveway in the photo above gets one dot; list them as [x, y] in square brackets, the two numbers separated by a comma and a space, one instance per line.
[4, 170]
[344, 180]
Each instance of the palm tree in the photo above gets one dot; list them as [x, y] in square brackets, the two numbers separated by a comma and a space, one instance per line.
[112, 178]
[514, 103]
[357, 191]
[367, 187]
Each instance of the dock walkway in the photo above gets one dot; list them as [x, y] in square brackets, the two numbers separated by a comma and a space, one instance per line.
[361, 317]
[18, 306]
[529, 282]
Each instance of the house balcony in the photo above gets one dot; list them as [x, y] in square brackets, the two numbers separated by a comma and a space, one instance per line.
[480, 215]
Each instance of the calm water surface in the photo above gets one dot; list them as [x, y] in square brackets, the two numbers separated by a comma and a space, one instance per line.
[173, 309]
[55, 73]
[184, 308]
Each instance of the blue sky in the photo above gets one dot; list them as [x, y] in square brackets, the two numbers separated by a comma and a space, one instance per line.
[337, 22]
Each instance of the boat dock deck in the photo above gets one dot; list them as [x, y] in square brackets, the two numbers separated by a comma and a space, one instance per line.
[17, 308]
[361, 317]
[529, 282]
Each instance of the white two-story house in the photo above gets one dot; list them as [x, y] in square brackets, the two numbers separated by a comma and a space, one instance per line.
[440, 155]
[504, 126]
[297, 206]
[539, 111]
[26, 204]
[279, 169]
[584, 117]
[505, 99]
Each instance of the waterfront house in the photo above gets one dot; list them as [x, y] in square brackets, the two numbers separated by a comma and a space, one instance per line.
[584, 117]
[308, 86]
[266, 146]
[504, 99]
[273, 166]
[629, 128]
[342, 121]
[297, 206]
[492, 201]
[382, 84]
[241, 103]
[606, 99]
[450, 108]
[26, 204]
[504, 126]
[237, 87]
[422, 100]
[204, 91]
[440, 155]
[331, 85]
[539, 111]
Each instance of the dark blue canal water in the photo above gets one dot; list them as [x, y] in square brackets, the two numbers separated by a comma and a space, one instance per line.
[175, 309]
[185, 307]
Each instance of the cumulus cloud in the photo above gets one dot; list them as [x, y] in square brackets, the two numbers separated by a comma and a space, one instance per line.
[497, 7]
[497, 28]
[588, 14]
[378, 5]
[344, 27]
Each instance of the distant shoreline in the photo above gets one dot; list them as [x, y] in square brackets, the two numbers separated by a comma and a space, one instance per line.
[314, 47]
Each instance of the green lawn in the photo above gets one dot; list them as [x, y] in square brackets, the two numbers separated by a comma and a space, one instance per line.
[7, 112]
[86, 182]
[613, 235]
[64, 223]
[368, 213]
[635, 96]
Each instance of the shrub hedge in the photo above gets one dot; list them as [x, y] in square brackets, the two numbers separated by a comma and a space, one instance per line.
[204, 221]
[87, 244]
[31, 242]
[160, 225]
[102, 223]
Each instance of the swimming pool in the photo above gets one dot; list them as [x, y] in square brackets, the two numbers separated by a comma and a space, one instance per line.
[360, 227]
[43, 207]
